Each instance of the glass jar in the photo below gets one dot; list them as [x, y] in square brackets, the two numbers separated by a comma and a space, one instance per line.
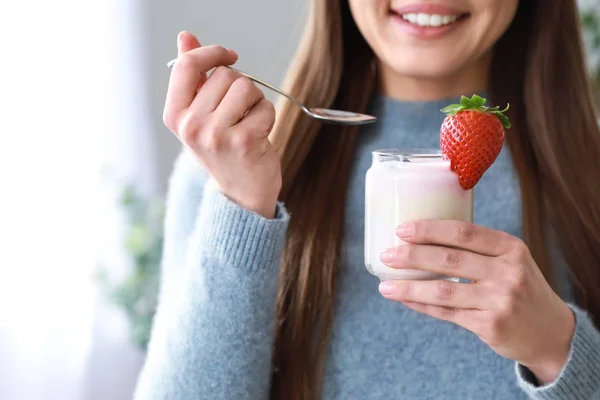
[408, 185]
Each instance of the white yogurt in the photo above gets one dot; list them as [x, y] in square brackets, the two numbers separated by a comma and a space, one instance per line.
[405, 186]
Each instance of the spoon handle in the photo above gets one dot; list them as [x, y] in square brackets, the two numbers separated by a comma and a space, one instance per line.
[261, 82]
[273, 88]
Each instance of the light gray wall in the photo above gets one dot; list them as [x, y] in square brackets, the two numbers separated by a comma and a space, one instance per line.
[264, 33]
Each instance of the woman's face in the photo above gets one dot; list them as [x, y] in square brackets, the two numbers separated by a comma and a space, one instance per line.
[432, 39]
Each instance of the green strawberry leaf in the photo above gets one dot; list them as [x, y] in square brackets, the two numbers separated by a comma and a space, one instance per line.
[504, 119]
[466, 102]
[477, 103]
[452, 108]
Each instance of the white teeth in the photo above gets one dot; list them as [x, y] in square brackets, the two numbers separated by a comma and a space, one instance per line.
[435, 20]
[429, 19]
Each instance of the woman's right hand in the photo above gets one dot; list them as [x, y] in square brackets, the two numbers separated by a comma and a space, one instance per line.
[225, 120]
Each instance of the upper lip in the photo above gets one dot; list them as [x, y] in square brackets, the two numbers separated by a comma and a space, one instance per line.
[427, 8]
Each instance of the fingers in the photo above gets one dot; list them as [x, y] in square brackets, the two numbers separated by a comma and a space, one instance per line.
[214, 90]
[250, 135]
[438, 259]
[239, 99]
[458, 234]
[467, 318]
[437, 293]
[187, 75]
[260, 119]
[186, 42]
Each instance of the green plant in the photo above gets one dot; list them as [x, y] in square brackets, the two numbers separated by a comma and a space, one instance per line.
[590, 22]
[136, 292]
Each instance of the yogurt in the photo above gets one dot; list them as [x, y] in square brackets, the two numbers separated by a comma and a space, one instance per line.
[405, 186]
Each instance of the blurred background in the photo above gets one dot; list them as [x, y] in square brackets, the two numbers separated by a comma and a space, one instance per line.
[84, 166]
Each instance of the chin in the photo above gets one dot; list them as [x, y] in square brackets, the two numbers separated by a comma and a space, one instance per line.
[428, 65]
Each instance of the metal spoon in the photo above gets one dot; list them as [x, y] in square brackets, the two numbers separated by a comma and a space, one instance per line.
[323, 114]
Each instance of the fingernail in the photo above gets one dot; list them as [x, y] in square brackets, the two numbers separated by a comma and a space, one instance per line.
[387, 256]
[233, 54]
[179, 36]
[406, 230]
[386, 287]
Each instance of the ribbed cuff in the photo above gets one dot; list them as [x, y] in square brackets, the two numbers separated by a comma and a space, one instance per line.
[240, 237]
[580, 378]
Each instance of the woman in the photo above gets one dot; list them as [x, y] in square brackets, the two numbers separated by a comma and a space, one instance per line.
[256, 304]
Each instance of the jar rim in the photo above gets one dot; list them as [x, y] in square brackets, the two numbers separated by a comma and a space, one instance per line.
[408, 155]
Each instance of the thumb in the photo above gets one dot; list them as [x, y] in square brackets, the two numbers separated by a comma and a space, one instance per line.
[186, 42]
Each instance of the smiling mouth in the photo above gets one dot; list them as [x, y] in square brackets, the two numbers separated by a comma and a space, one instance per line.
[431, 20]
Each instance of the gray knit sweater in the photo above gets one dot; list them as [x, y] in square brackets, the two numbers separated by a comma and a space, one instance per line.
[213, 332]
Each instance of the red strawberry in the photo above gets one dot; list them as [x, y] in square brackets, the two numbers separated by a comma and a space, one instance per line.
[471, 137]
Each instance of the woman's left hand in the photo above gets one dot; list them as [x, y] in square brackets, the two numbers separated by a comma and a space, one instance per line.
[508, 303]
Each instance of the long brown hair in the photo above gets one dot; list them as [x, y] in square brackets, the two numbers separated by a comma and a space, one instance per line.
[555, 144]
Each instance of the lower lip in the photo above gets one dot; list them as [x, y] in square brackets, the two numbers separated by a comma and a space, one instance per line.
[427, 32]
